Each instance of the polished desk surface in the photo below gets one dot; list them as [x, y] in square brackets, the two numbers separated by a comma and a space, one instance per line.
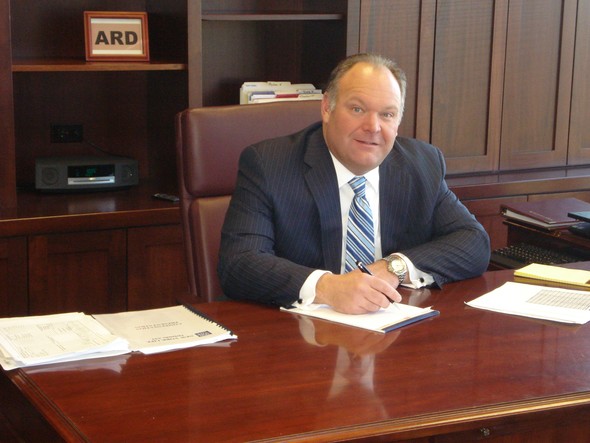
[289, 378]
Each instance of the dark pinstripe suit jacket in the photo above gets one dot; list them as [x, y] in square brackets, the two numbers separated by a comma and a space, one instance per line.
[284, 217]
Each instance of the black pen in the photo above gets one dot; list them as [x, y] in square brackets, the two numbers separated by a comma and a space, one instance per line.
[364, 270]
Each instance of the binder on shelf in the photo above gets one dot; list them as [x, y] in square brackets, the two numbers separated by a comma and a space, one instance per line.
[547, 214]
[271, 91]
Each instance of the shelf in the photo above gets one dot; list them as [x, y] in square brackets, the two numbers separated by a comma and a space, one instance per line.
[69, 65]
[521, 182]
[39, 213]
[272, 17]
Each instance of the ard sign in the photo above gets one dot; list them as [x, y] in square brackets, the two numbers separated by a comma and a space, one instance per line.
[116, 36]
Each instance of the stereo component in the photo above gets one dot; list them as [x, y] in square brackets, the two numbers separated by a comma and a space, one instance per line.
[58, 174]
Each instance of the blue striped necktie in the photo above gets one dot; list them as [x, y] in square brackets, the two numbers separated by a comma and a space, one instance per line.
[360, 236]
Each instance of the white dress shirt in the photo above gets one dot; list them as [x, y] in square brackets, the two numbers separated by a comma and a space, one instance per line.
[417, 278]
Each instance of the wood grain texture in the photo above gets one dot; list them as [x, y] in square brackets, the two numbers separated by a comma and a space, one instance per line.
[288, 378]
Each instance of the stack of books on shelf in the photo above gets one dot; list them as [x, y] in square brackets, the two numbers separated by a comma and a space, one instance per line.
[264, 92]
[548, 214]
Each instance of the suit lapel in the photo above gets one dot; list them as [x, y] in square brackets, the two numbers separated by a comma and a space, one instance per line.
[395, 188]
[323, 185]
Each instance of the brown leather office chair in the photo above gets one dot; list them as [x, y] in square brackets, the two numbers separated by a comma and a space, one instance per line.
[209, 142]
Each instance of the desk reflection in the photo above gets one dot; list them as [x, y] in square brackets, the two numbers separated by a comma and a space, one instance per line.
[355, 360]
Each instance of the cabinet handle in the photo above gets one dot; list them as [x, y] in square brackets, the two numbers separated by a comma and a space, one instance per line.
[485, 432]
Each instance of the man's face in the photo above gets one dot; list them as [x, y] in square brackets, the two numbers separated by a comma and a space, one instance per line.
[362, 127]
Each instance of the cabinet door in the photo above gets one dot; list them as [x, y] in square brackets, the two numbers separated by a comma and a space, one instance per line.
[579, 140]
[13, 277]
[538, 83]
[83, 271]
[452, 53]
[393, 28]
[157, 270]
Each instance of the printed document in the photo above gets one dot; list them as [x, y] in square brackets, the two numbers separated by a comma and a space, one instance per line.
[30, 341]
[547, 303]
[36, 340]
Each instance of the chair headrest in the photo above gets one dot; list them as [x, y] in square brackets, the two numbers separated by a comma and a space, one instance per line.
[214, 137]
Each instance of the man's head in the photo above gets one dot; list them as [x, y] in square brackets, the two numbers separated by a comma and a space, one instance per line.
[362, 109]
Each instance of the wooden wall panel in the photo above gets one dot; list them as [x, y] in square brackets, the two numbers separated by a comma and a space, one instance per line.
[83, 271]
[393, 28]
[157, 273]
[7, 165]
[453, 54]
[464, 85]
[537, 83]
[13, 277]
[579, 137]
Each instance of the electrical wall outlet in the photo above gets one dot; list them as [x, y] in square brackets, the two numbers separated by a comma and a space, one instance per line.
[66, 133]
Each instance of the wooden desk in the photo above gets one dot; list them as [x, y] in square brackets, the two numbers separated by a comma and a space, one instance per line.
[464, 375]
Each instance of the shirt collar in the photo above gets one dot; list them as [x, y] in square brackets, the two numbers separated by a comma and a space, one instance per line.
[344, 175]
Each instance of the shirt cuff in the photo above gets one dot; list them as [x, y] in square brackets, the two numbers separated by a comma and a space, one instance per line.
[307, 291]
[418, 279]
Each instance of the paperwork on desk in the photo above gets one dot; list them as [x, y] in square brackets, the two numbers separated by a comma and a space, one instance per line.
[542, 302]
[37, 340]
[572, 278]
[395, 316]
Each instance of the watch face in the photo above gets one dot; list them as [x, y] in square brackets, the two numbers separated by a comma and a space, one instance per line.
[398, 265]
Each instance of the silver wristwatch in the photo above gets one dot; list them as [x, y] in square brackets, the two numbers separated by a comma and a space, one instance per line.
[396, 265]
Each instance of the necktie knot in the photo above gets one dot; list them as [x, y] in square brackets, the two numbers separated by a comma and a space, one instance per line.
[358, 186]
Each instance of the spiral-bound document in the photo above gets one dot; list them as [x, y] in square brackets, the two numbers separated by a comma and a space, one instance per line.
[57, 338]
[164, 329]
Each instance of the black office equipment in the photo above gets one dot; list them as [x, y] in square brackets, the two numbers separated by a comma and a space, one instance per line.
[519, 255]
[581, 229]
[65, 174]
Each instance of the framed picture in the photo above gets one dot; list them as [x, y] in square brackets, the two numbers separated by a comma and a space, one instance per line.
[116, 36]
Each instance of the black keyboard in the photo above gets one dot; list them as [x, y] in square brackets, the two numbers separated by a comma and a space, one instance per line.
[517, 256]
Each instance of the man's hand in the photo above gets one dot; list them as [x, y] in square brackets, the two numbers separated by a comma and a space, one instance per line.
[355, 292]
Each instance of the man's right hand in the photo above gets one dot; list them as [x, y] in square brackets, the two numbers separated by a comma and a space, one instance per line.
[355, 292]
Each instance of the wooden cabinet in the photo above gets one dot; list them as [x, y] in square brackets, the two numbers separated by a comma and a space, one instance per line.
[235, 41]
[485, 194]
[157, 274]
[82, 271]
[13, 276]
[579, 136]
[92, 271]
[70, 252]
[490, 83]
[537, 83]
[123, 251]
[498, 85]
[124, 108]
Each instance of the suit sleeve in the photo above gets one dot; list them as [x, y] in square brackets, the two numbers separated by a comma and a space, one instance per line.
[442, 237]
[249, 267]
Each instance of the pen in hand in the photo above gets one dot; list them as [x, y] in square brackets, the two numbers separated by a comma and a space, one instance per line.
[364, 270]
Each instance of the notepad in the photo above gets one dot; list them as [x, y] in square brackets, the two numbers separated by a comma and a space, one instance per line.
[393, 317]
[556, 274]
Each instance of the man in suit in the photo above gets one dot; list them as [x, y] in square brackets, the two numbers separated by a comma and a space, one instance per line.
[286, 232]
